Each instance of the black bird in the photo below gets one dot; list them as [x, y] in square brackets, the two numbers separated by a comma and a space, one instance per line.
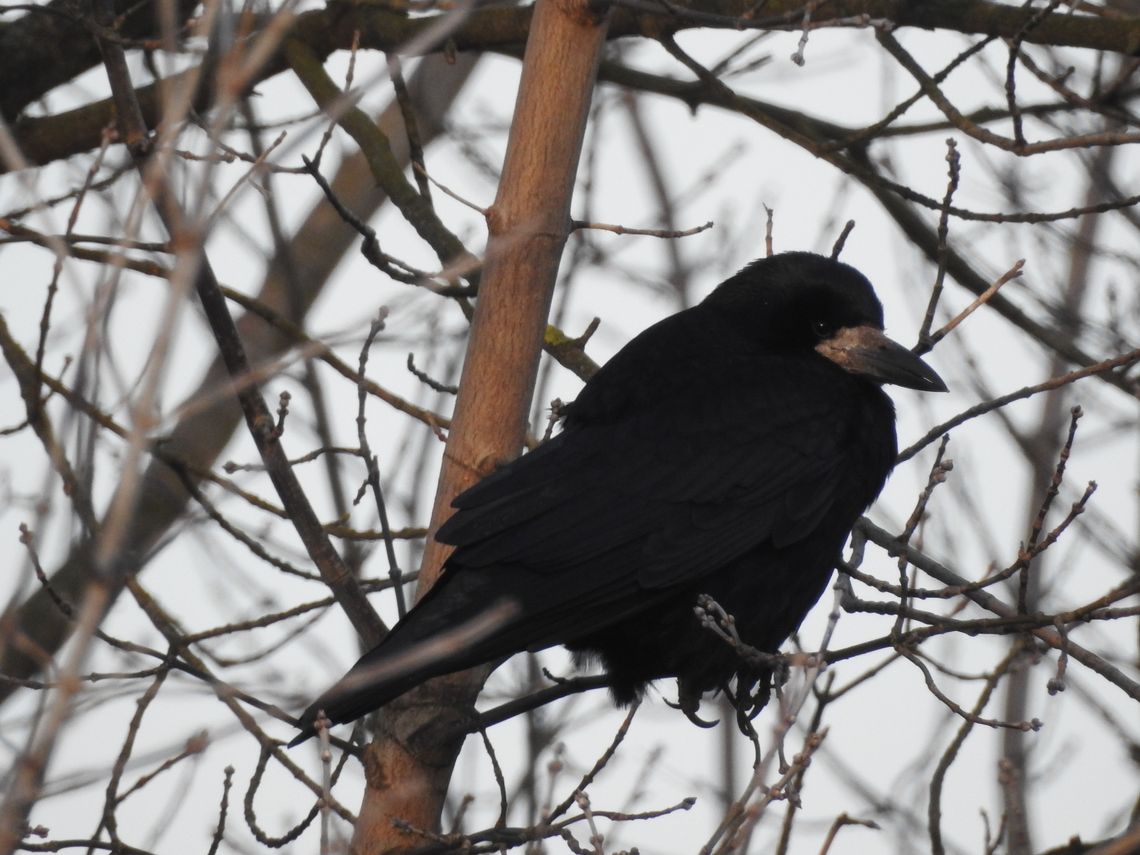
[727, 450]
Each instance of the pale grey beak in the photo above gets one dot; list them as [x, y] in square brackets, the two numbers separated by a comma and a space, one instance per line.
[867, 351]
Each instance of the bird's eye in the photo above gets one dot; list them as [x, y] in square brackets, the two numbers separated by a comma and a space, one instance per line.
[822, 329]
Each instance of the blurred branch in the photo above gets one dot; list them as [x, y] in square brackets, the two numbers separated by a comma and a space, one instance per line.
[49, 46]
[182, 229]
[317, 247]
[500, 28]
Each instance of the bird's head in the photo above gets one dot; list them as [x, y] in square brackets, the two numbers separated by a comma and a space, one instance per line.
[802, 302]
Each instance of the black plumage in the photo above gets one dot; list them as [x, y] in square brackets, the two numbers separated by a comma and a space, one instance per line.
[726, 450]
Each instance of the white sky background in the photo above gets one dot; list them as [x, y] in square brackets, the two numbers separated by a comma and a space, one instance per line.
[1085, 778]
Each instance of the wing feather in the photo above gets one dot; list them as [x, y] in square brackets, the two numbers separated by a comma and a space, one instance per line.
[668, 492]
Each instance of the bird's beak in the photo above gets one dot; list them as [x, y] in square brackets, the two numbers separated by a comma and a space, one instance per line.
[866, 350]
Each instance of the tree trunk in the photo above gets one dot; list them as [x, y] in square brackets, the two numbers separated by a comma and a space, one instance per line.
[409, 765]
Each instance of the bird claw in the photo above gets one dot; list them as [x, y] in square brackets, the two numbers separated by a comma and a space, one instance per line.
[748, 699]
[746, 713]
[690, 704]
[692, 716]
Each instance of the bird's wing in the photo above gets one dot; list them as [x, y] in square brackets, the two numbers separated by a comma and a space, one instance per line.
[746, 451]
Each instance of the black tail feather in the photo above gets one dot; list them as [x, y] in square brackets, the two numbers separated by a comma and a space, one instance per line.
[408, 656]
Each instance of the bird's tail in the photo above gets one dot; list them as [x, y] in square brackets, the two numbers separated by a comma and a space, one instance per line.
[414, 651]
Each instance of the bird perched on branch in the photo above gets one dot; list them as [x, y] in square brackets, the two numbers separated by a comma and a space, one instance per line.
[726, 451]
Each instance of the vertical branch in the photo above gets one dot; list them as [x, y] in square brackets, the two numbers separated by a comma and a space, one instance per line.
[678, 270]
[409, 765]
[954, 161]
